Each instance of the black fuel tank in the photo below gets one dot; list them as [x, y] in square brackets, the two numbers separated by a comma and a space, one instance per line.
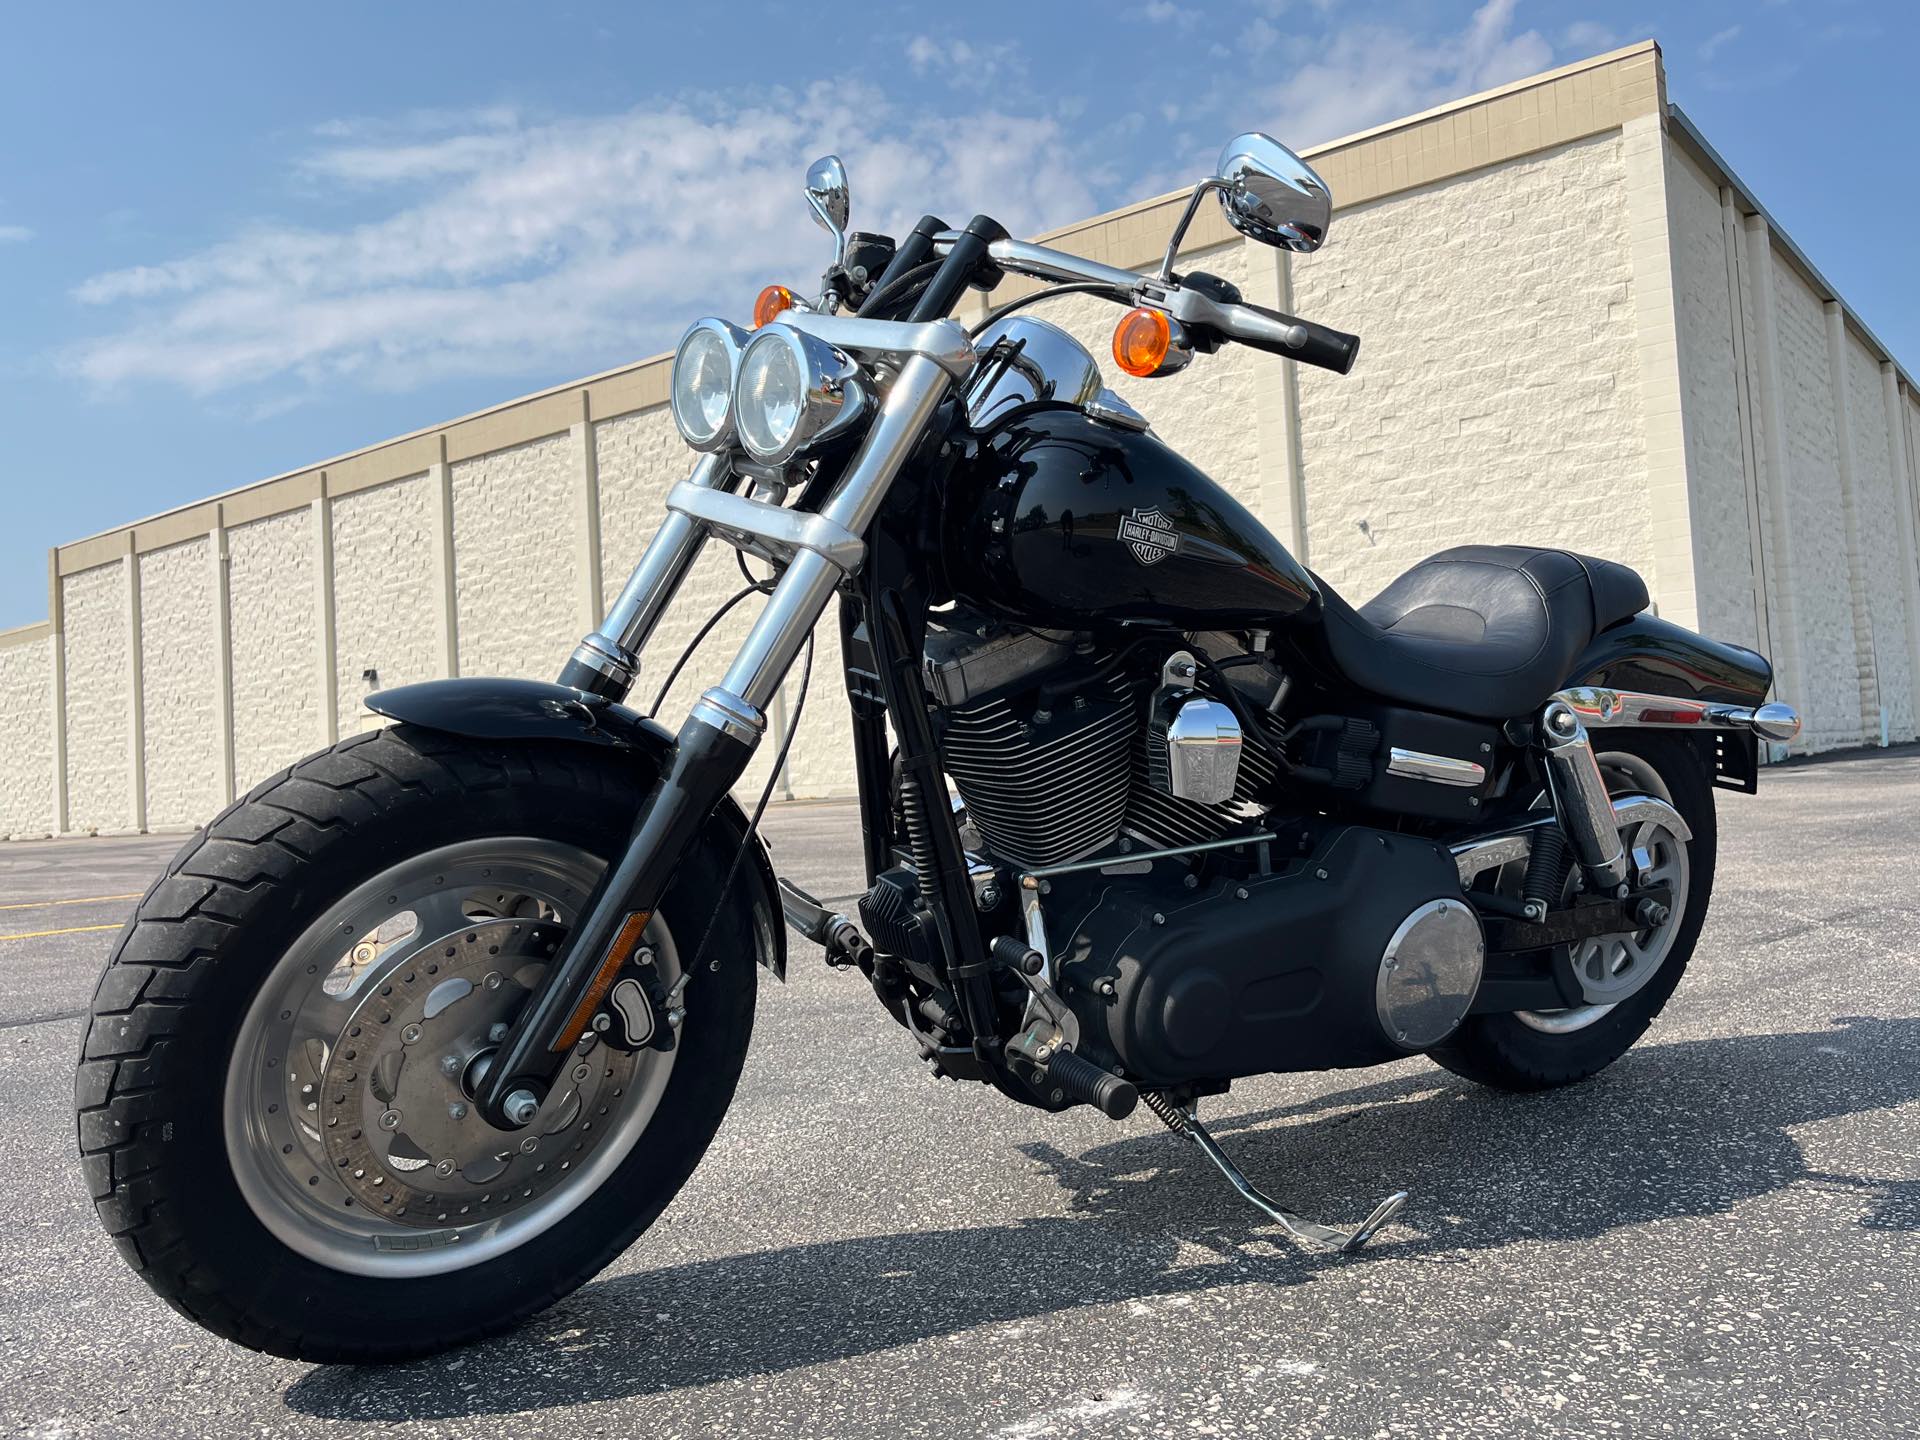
[1065, 521]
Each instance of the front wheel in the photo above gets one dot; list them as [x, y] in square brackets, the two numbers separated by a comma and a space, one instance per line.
[1629, 977]
[276, 1094]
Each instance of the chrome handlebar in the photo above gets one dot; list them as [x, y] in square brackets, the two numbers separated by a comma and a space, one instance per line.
[1249, 324]
[1025, 258]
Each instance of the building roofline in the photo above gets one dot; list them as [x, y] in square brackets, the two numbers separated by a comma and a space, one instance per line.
[1540, 112]
[1681, 126]
[1390, 127]
[1113, 236]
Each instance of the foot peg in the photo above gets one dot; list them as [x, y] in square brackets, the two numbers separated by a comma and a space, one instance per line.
[1086, 1082]
[834, 933]
[1185, 1122]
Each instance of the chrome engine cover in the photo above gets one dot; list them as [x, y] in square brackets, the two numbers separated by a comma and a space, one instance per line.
[1430, 972]
[1194, 744]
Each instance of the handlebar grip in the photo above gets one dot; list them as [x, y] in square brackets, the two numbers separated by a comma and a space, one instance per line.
[1326, 347]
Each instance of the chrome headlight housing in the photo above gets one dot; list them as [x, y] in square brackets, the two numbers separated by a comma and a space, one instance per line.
[704, 367]
[792, 391]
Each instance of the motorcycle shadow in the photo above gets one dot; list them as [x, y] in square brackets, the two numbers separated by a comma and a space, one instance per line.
[1680, 1130]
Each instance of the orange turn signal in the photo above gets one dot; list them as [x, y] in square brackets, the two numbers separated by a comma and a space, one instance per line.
[1141, 341]
[771, 303]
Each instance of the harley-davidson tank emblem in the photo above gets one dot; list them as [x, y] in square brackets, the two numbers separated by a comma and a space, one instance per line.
[1150, 535]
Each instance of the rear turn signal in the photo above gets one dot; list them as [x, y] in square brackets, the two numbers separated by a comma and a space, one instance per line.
[771, 303]
[1147, 343]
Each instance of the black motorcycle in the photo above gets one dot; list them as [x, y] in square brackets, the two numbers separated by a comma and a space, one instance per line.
[421, 1033]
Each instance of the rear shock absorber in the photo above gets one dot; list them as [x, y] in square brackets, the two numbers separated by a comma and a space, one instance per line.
[1546, 872]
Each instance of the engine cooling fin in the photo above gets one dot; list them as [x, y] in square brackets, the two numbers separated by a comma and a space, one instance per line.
[1051, 787]
[1166, 820]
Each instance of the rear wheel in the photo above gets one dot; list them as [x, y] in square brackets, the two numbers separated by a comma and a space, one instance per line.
[1627, 978]
[276, 1097]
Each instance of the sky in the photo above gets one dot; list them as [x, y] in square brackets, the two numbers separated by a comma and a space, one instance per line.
[238, 239]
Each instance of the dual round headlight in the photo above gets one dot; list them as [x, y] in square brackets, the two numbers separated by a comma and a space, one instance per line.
[773, 392]
[702, 387]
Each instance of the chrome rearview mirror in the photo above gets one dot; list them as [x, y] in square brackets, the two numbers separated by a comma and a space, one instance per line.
[1269, 194]
[827, 197]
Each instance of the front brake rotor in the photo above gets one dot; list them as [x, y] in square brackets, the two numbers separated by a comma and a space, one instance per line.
[400, 1125]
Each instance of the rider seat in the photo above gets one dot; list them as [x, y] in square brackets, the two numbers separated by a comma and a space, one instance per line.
[1483, 630]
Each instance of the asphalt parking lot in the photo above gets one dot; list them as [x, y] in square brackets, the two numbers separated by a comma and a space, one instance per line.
[1717, 1237]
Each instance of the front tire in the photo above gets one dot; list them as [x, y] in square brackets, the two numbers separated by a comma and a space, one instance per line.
[293, 1194]
[1542, 1051]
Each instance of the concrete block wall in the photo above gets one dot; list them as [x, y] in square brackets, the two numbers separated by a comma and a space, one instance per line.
[1722, 458]
[26, 722]
[1880, 568]
[384, 596]
[180, 737]
[1580, 330]
[1497, 398]
[1802, 494]
[279, 710]
[518, 545]
[98, 662]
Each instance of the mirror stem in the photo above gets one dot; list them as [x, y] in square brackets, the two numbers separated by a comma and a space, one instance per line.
[1186, 219]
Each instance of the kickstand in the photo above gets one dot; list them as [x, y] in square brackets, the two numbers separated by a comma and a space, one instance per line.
[1187, 1122]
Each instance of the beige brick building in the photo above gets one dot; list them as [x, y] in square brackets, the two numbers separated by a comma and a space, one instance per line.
[1580, 329]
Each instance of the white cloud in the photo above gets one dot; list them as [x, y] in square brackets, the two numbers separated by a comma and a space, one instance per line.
[1718, 40]
[378, 163]
[1260, 36]
[420, 122]
[1587, 37]
[515, 247]
[966, 66]
[14, 234]
[488, 242]
[1164, 12]
[1365, 74]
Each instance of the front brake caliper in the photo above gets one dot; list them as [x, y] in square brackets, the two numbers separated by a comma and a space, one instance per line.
[642, 1011]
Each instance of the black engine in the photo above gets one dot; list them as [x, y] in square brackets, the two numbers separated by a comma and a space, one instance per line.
[1357, 950]
[1046, 738]
[1315, 944]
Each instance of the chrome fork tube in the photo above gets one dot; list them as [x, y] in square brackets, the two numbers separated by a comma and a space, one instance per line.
[709, 755]
[809, 580]
[1580, 797]
[606, 661]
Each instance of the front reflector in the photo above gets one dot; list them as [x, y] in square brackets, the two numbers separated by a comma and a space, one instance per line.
[625, 941]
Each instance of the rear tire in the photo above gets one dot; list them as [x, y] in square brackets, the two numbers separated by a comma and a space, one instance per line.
[154, 1092]
[1504, 1051]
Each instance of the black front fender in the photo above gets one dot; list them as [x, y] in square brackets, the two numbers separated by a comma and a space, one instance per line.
[501, 709]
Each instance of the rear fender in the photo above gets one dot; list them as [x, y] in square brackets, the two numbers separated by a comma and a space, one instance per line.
[501, 709]
[1657, 657]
